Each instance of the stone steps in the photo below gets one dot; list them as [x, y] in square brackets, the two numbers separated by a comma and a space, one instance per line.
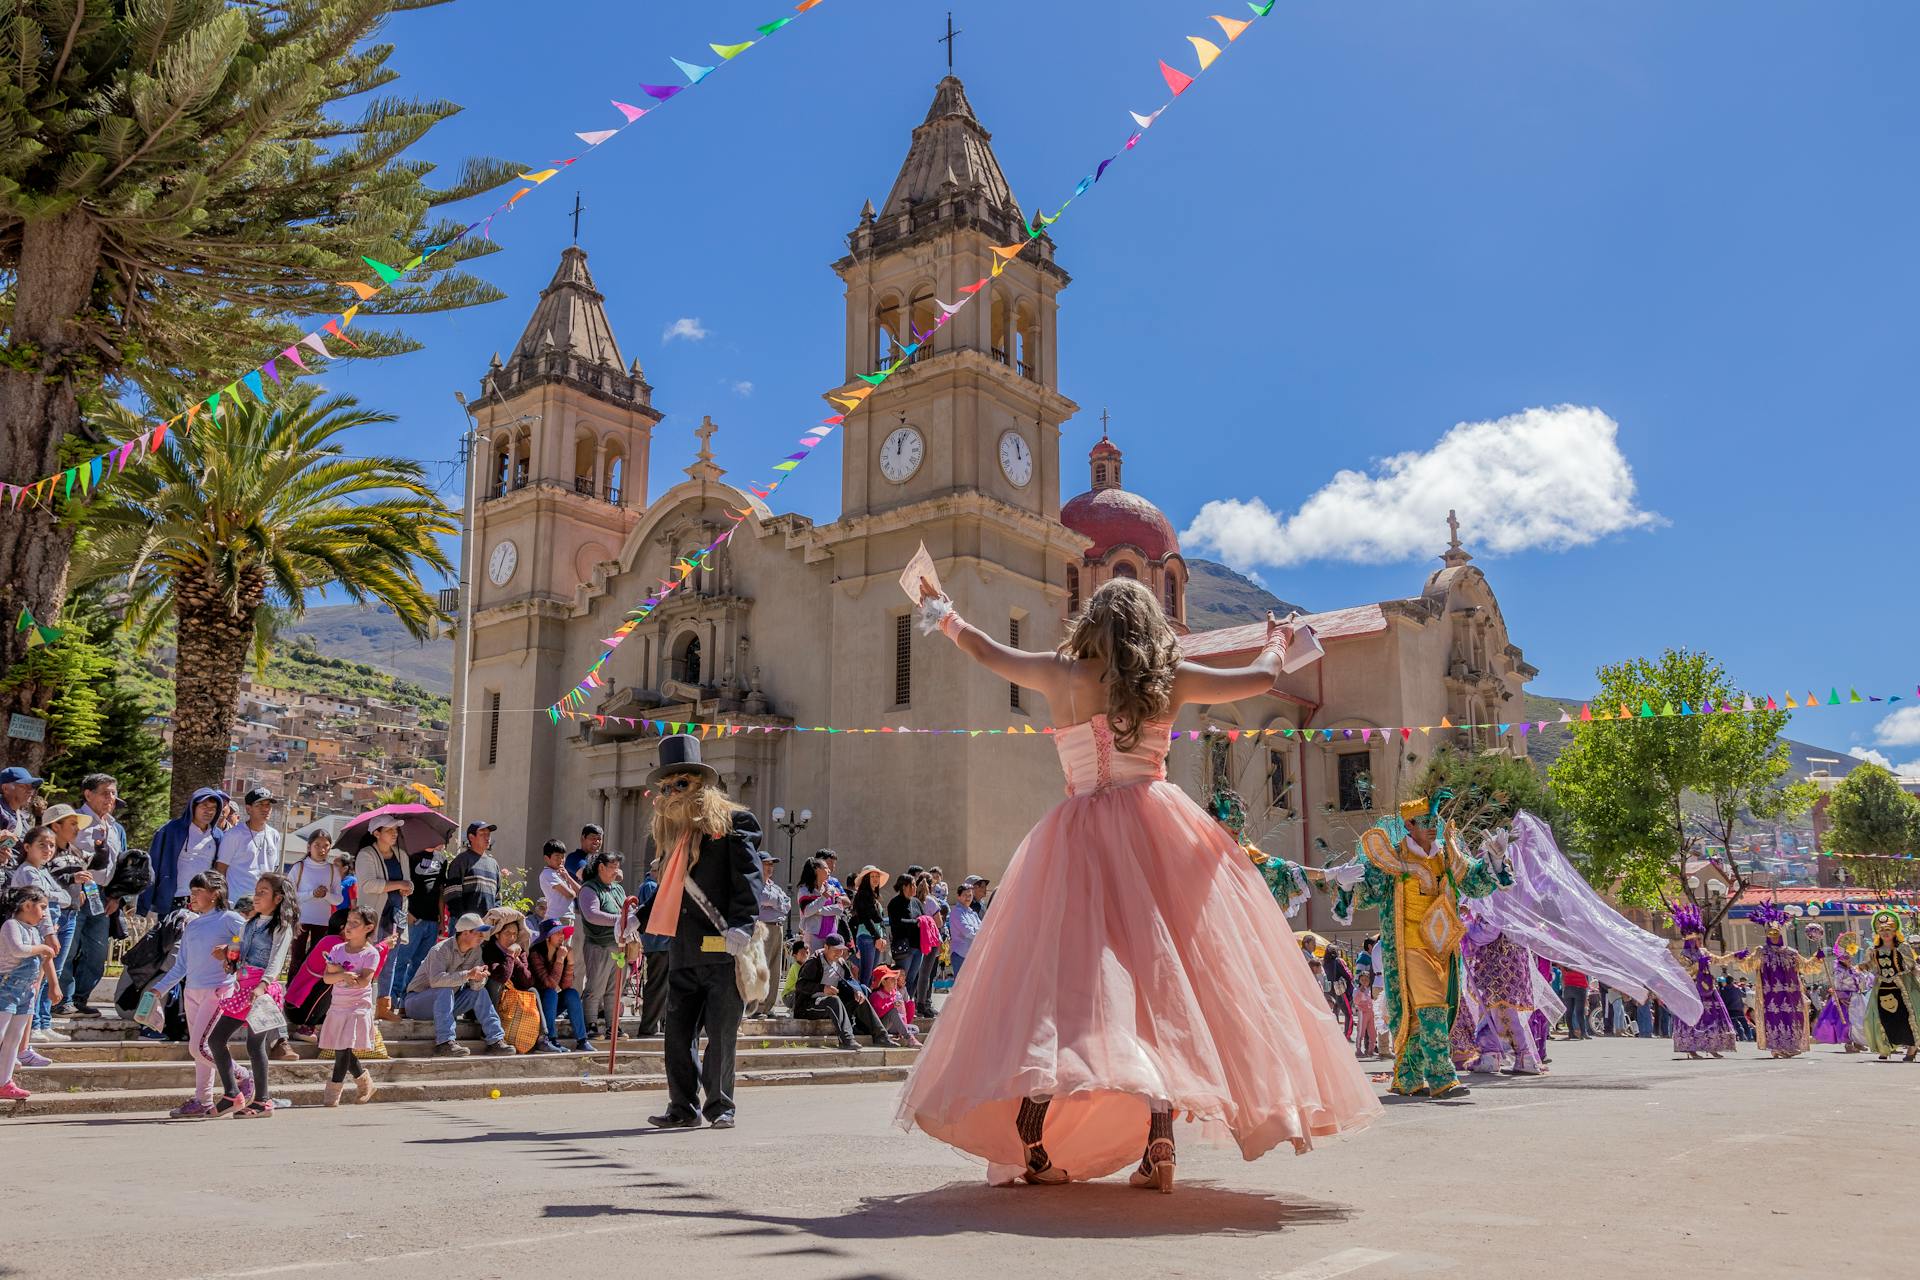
[104, 1068]
[177, 1077]
[122, 1101]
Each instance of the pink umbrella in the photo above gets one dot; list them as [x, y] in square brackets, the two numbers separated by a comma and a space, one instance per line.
[421, 827]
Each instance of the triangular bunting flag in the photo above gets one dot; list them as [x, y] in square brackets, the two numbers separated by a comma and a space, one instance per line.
[694, 74]
[1586, 711]
[728, 52]
[1176, 80]
[1207, 50]
[361, 289]
[256, 386]
[1232, 26]
[628, 110]
[1445, 723]
[540, 177]
[594, 137]
[1833, 699]
[661, 91]
[387, 274]
[1405, 733]
[1261, 10]
[1502, 729]
[1009, 252]
[1854, 696]
[1145, 122]
[768, 28]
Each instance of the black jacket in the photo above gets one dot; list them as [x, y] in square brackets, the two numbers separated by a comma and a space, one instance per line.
[903, 924]
[729, 874]
[806, 987]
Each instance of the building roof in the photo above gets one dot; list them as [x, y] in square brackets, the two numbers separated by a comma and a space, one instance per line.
[950, 145]
[571, 317]
[1338, 624]
[1800, 895]
[1113, 516]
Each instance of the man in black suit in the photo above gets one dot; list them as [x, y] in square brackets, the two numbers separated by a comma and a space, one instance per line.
[707, 846]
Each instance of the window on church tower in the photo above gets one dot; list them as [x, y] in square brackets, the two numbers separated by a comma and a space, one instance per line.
[1125, 570]
[493, 728]
[903, 660]
[1073, 590]
[1173, 596]
[1013, 642]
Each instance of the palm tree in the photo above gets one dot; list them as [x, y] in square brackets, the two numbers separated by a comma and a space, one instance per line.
[234, 525]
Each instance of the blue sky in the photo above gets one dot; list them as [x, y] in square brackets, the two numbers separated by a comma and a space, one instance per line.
[1691, 224]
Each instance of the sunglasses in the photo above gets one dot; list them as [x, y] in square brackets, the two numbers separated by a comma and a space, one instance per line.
[685, 782]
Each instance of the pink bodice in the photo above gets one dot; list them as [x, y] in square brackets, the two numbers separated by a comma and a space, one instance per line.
[1092, 763]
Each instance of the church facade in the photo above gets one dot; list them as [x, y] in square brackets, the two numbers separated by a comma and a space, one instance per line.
[796, 622]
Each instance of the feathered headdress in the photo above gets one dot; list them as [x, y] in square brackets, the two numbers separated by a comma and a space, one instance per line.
[1686, 919]
[1768, 915]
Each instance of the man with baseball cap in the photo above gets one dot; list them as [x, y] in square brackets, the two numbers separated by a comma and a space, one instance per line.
[453, 983]
[774, 906]
[473, 878]
[17, 786]
[250, 849]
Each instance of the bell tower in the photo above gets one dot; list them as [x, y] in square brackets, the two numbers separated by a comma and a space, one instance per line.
[562, 433]
[978, 409]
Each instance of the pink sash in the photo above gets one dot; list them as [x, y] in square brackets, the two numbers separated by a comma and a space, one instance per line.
[663, 918]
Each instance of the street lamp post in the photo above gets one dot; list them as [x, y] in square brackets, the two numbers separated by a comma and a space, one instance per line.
[793, 824]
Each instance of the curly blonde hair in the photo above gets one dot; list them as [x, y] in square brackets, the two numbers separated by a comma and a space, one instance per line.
[1123, 629]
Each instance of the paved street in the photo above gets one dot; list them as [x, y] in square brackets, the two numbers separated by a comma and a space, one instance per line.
[1624, 1162]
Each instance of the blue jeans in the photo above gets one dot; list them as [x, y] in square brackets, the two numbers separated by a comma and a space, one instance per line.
[912, 969]
[445, 1005]
[89, 954]
[550, 1013]
[407, 957]
[869, 956]
[955, 964]
[63, 925]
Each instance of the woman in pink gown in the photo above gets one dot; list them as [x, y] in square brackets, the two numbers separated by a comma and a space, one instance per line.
[1135, 968]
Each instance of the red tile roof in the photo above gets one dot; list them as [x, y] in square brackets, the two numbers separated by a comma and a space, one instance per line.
[1340, 624]
[1796, 895]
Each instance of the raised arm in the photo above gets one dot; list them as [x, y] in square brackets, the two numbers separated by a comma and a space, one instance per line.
[1196, 683]
[1044, 673]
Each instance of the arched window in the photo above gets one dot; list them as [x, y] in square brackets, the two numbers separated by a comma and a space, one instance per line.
[921, 316]
[1125, 569]
[616, 475]
[886, 330]
[1073, 590]
[1026, 339]
[997, 330]
[585, 447]
[686, 660]
[502, 466]
[1173, 596]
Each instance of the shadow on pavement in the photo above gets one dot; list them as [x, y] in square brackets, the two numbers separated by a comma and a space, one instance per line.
[1083, 1211]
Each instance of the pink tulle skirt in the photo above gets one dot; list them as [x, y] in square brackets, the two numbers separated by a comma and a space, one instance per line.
[1133, 954]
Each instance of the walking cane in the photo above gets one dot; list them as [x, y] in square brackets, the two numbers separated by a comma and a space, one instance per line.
[630, 907]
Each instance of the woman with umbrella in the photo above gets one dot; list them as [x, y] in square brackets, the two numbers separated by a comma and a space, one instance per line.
[383, 883]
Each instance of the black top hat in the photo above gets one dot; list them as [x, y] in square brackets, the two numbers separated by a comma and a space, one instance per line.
[680, 753]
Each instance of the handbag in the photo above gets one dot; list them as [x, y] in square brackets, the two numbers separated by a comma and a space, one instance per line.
[520, 1018]
[750, 973]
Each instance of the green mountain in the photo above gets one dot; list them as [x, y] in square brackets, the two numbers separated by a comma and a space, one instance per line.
[1219, 597]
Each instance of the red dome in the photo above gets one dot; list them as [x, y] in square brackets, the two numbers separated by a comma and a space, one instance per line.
[1114, 516]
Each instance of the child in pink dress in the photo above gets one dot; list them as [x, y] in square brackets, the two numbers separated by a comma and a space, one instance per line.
[1366, 1037]
[353, 966]
[1081, 1031]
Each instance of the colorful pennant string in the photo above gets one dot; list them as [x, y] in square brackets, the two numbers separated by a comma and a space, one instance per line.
[87, 475]
[849, 398]
[1747, 705]
[37, 634]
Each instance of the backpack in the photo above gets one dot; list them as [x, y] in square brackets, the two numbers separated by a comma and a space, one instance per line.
[132, 876]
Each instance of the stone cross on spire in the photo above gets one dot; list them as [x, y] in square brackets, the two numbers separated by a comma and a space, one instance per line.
[704, 467]
[1455, 553]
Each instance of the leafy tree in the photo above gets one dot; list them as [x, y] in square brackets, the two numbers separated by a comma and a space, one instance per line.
[63, 681]
[232, 525]
[1488, 790]
[1647, 796]
[178, 182]
[1869, 815]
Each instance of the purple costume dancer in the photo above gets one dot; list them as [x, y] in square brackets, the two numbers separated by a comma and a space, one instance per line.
[1713, 1033]
[1500, 973]
[1782, 1029]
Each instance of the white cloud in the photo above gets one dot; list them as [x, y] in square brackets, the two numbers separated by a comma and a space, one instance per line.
[1545, 479]
[1910, 770]
[743, 388]
[1901, 729]
[688, 327]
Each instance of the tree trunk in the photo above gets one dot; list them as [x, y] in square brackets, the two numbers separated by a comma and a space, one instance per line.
[39, 405]
[213, 642]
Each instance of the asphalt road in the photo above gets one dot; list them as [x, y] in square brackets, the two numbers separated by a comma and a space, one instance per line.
[1623, 1162]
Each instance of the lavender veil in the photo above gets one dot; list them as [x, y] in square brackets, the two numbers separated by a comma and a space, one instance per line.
[1551, 909]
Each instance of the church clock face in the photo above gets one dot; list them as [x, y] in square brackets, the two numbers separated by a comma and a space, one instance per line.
[503, 561]
[1016, 459]
[900, 454]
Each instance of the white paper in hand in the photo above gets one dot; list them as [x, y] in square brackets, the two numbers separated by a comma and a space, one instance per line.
[1305, 649]
[919, 578]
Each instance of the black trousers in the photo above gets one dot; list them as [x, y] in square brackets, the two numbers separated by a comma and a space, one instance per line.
[845, 1015]
[701, 996]
[653, 993]
[222, 1054]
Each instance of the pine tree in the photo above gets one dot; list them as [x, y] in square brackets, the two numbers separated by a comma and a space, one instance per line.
[179, 182]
